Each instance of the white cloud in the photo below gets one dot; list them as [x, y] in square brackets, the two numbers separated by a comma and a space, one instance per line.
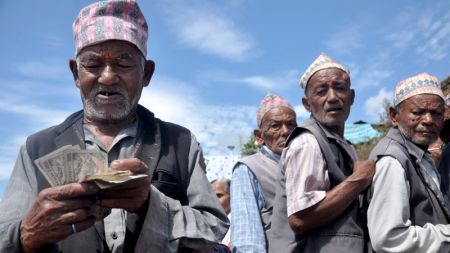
[345, 41]
[374, 106]
[283, 80]
[423, 31]
[373, 76]
[207, 29]
[215, 127]
[301, 112]
[47, 69]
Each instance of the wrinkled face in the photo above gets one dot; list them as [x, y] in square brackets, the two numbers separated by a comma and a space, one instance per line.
[420, 118]
[276, 125]
[220, 188]
[329, 98]
[111, 76]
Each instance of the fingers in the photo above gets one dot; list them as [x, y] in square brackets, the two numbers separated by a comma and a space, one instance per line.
[130, 200]
[132, 164]
[124, 203]
[132, 184]
[75, 216]
[69, 191]
[80, 225]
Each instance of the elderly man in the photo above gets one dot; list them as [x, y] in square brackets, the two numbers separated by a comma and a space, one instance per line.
[254, 177]
[321, 174]
[173, 209]
[221, 187]
[409, 211]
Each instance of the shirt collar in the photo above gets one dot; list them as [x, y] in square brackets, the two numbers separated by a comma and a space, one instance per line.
[266, 151]
[130, 130]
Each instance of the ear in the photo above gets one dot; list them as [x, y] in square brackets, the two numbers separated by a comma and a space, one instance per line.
[352, 91]
[258, 137]
[74, 68]
[393, 114]
[305, 103]
[149, 69]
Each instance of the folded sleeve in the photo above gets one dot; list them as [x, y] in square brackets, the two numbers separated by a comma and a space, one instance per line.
[306, 175]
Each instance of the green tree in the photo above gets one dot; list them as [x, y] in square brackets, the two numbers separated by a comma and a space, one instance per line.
[249, 148]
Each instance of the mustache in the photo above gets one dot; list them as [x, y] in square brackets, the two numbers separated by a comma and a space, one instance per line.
[334, 106]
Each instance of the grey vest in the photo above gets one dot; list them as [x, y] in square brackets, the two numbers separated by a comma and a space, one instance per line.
[266, 171]
[427, 203]
[165, 150]
[344, 234]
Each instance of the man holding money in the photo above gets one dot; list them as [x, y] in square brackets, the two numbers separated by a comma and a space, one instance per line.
[112, 157]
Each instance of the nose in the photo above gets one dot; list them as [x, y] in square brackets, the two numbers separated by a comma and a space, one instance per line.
[108, 76]
[285, 130]
[427, 119]
[332, 96]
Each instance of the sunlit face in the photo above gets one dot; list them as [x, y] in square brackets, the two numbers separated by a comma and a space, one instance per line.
[420, 118]
[223, 194]
[111, 76]
[276, 125]
[329, 98]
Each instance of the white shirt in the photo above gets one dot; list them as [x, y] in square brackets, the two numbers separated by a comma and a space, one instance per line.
[390, 227]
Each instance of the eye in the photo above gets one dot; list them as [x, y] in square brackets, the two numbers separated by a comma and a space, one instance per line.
[417, 113]
[321, 91]
[125, 64]
[91, 64]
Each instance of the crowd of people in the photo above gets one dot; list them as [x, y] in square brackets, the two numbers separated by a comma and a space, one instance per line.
[305, 190]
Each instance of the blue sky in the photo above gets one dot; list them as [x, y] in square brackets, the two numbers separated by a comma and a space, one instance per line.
[215, 60]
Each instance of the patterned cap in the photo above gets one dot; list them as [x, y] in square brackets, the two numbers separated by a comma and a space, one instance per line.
[421, 84]
[269, 102]
[110, 20]
[321, 62]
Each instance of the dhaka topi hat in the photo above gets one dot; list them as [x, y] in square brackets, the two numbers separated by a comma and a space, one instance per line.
[110, 20]
[423, 83]
[269, 102]
[323, 61]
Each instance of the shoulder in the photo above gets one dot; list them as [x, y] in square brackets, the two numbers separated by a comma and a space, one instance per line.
[251, 157]
[388, 167]
[304, 139]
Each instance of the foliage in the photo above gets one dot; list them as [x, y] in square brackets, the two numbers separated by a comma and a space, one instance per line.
[249, 148]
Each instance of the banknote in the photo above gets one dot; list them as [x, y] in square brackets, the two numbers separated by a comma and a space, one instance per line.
[70, 164]
[113, 178]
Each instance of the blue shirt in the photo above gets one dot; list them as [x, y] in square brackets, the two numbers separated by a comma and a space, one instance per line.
[247, 201]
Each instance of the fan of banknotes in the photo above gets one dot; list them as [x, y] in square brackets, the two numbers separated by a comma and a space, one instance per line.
[70, 164]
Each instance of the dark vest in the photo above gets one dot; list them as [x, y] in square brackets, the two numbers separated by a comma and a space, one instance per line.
[344, 234]
[165, 150]
[266, 171]
[427, 203]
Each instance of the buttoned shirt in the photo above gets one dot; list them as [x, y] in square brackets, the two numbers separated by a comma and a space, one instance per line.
[123, 146]
[307, 179]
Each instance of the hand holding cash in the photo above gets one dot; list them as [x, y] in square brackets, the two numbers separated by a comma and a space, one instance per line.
[71, 164]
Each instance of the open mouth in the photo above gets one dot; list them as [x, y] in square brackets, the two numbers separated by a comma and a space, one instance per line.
[335, 109]
[107, 94]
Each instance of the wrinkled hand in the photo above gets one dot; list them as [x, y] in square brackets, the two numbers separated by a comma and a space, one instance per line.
[363, 171]
[53, 213]
[131, 195]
